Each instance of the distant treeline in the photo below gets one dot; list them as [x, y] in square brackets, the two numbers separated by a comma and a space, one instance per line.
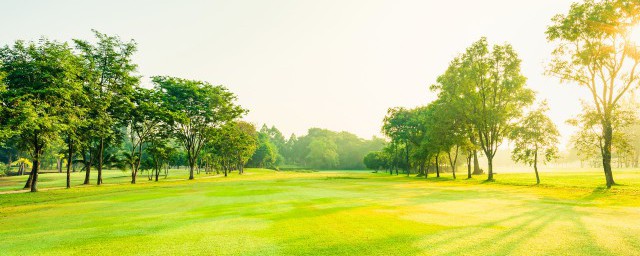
[318, 149]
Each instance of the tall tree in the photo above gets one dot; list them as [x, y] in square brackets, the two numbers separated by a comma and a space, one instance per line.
[147, 117]
[458, 111]
[535, 139]
[234, 144]
[494, 91]
[109, 79]
[41, 80]
[160, 150]
[196, 109]
[401, 125]
[594, 49]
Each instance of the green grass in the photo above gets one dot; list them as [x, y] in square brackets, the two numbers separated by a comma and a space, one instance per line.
[324, 213]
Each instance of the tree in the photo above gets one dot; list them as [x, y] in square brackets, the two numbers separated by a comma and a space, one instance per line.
[448, 131]
[350, 148]
[159, 150]
[41, 80]
[145, 122]
[234, 144]
[589, 139]
[246, 142]
[5, 132]
[108, 82]
[458, 112]
[323, 154]
[22, 163]
[594, 49]
[401, 125]
[278, 140]
[196, 109]
[492, 89]
[535, 135]
[266, 153]
[375, 160]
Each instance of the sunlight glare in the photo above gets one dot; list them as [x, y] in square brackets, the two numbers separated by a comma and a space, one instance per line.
[634, 34]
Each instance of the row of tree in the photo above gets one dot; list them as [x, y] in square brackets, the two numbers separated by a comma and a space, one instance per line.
[81, 104]
[481, 97]
[87, 97]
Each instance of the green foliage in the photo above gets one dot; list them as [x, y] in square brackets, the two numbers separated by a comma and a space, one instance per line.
[376, 160]
[41, 81]
[342, 150]
[535, 139]
[234, 144]
[109, 81]
[536, 133]
[21, 161]
[147, 123]
[589, 139]
[266, 153]
[322, 154]
[196, 109]
[488, 83]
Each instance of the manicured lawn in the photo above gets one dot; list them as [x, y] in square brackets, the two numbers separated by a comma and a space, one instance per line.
[324, 213]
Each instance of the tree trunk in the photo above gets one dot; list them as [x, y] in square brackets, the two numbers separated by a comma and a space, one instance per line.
[426, 171]
[9, 158]
[133, 175]
[407, 157]
[100, 155]
[69, 162]
[192, 163]
[453, 161]
[490, 166]
[191, 172]
[606, 152]
[535, 166]
[469, 166]
[28, 184]
[437, 166]
[395, 157]
[87, 168]
[476, 163]
[34, 179]
[136, 163]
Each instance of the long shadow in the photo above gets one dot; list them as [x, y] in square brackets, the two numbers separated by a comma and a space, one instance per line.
[531, 223]
[444, 239]
[589, 246]
[525, 218]
[541, 215]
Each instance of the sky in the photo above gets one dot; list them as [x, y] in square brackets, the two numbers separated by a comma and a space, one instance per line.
[296, 64]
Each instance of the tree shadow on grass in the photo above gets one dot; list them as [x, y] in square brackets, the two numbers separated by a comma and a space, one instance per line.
[528, 225]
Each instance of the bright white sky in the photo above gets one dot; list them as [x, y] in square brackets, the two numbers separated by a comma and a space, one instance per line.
[296, 64]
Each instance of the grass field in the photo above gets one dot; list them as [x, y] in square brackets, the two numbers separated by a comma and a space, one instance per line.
[324, 213]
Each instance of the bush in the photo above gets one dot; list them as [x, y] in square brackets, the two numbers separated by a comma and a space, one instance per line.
[4, 170]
